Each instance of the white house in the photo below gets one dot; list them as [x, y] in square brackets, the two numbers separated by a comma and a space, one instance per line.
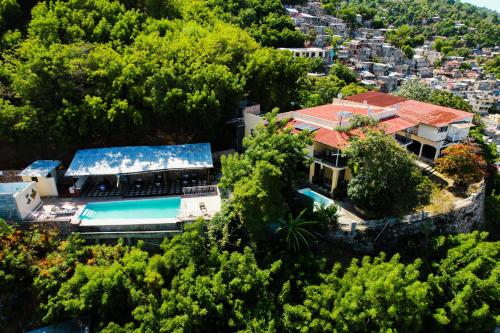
[43, 173]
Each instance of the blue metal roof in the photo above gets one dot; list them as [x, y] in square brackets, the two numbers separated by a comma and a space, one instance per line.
[40, 168]
[137, 159]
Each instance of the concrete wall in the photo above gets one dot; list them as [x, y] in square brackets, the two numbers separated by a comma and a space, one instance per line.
[251, 122]
[468, 215]
[458, 133]
[17, 206]
[27, 200]
[47, 187]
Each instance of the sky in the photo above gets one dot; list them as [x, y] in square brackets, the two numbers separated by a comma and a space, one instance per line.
[491, 4]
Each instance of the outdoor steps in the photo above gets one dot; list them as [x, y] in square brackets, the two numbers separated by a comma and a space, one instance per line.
[89, 213]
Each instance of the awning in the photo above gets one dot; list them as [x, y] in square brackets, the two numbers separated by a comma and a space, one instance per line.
[40, 168]
[139, 159]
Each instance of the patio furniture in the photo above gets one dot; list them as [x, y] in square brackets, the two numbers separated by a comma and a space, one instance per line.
[101, 187]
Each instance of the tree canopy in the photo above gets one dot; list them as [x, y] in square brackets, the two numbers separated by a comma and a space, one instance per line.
[97, 72]
[385, 177]
[462, 162]
[190, 284]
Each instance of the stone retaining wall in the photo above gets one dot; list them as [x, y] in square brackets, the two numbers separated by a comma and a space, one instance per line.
[468, 215]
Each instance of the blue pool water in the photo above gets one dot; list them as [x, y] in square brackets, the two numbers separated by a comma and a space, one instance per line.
[318, 198]
[132, 209]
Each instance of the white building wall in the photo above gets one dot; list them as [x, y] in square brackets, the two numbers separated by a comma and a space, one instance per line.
[458, 134]
[47, 187]
[251, 122]
[27, 200]
[430, 133]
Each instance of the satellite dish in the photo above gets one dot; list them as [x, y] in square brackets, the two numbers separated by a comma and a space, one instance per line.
[339, 95]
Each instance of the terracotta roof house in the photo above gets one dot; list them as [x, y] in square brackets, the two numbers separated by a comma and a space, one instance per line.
[423, 128]
[436, 127]
[329, 168]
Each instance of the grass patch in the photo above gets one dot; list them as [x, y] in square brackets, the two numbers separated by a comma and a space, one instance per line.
[442, 201]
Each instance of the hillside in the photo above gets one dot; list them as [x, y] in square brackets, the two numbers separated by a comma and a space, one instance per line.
[473, 25]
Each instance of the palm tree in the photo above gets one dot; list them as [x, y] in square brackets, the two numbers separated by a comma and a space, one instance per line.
[296, 231]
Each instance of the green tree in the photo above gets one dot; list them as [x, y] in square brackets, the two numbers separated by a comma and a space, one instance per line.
[386, 179]
[462, 162]
[261, 180]
[352, 89]
[420, 91]
[465, 283]
[415, 89]
[297, 232]
[371, 295]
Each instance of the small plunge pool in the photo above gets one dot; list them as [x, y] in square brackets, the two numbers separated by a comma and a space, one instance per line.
[318, 198]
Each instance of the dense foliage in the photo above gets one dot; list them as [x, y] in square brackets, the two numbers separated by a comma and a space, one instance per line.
[493, 66]
[462, 162]
[98, 72]
[190, 284]
[385, 178]
[261, 180]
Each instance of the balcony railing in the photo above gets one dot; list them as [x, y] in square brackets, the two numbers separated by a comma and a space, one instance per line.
[403, 140]
[336, 161]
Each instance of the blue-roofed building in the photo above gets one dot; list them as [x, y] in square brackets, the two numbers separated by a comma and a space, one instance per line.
[120, 170]
[18, 200]
[44, 174]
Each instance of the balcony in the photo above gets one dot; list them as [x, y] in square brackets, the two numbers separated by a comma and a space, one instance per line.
[403, 140]
[333, 160]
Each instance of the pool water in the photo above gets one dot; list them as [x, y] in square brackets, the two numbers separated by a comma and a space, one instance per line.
[132, 209]
[318, 198]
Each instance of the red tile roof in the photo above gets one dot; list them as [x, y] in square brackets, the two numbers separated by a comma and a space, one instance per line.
[431, 114]
[394, 124]
[414, 111]
[330, 111]
[340, 140]
[324, 135]
[376, 98]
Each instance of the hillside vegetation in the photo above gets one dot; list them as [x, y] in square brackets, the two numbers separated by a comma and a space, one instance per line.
[93, 72]
[428, 17]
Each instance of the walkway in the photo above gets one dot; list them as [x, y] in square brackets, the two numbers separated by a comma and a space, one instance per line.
[347, 215]
[428, 168]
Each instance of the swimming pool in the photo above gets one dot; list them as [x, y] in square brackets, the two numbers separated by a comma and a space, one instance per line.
[132, 209]
[318, 198]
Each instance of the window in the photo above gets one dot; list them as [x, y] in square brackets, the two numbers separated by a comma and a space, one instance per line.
[34, 179]
[443, 129]
[320, 54]
[297, 54]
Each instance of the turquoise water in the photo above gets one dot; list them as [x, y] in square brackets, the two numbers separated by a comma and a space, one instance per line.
[132, 209]
[318, 198]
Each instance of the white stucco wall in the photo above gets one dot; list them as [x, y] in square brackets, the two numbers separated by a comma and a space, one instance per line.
[430, 133]
[26, 205]
[45, 186]
[458, 133]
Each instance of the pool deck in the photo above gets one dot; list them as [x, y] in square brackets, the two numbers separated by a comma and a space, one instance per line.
[69, 209]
